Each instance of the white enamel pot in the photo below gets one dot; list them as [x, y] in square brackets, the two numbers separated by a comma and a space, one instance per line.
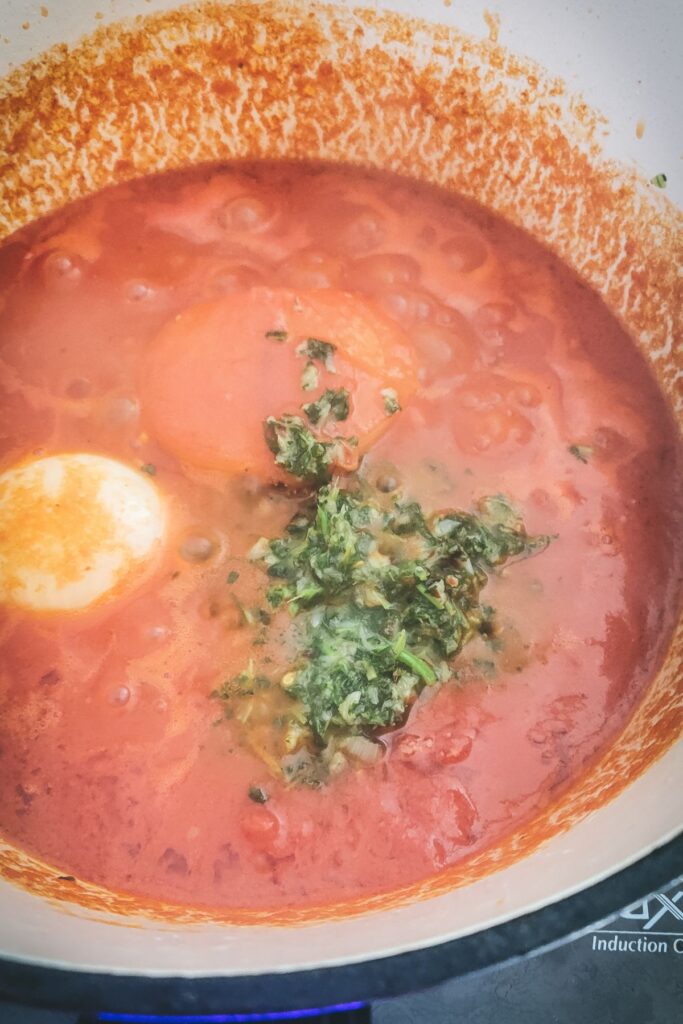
[613, 838]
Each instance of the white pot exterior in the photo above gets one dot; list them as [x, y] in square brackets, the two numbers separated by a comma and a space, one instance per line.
[622, 55]
[624, 58]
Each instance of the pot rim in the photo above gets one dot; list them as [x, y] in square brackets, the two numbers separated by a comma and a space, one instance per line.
[527, 935]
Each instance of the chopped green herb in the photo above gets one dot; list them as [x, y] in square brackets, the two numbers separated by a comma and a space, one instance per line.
[582, 452]
[309, 377]
[391, 402]
[388, 596]
[318, 351]
[659, 180]
[233, 576]
[258, 795]
[419, 666]
[241, 685]
[150, 468]
[333, 403]
[385, 596]
[277, 335]
[298, 451]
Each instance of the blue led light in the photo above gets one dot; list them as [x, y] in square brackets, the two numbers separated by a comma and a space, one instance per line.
[223, 1018]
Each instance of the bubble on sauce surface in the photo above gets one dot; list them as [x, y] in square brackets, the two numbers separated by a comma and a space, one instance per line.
[387, 482]
[139, 291]
[408, 305]
[465, 251]
[495, 314]
[494, 433]
[121, 411]
[610, 444]
[159, 633]
[382, 474]
[480, 399]
[231, 277]
[486, 417]
[245, 213]
[384, 270]
[441, 347]
[61, 270]
[197, 547]
[119, 696]
[526, 395]
[311, 268]
[362, 230]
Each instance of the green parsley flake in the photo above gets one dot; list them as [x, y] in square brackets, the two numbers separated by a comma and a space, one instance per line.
[149, 468]
[318, 351]
[277, 335]
[298, 451]
[582, 452]
[258, 795]
[233, 576]
[333, 403]
[391, 402]
[659, 180]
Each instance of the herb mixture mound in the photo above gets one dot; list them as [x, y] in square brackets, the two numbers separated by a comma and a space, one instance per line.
[384, 596]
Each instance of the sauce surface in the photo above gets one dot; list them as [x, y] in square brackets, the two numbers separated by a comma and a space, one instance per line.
[135, 326]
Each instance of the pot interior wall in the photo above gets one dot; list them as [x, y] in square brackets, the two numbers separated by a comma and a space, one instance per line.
[371, 89]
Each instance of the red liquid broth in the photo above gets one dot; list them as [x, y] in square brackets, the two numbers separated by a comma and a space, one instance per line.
[112, 764]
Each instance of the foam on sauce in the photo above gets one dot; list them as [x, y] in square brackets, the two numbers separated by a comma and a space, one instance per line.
[113, 767]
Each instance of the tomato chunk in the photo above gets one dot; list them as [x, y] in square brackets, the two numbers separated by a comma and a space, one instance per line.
[216, 371]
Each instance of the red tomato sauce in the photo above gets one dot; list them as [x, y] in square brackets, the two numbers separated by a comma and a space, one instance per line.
[134, 326]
